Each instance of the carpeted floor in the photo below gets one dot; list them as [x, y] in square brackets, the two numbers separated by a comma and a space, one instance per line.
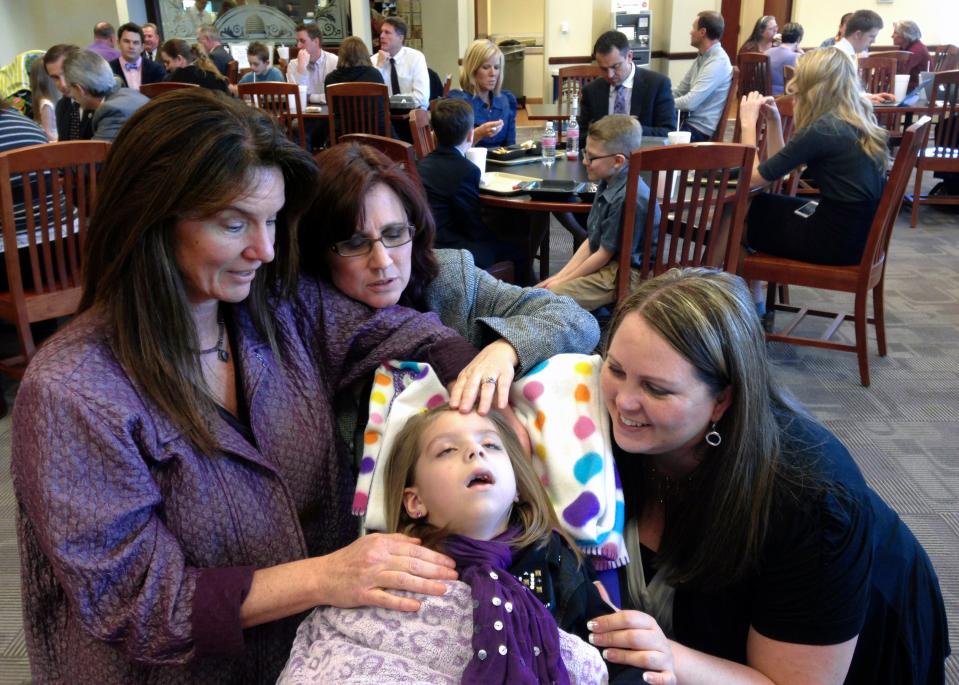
[902, 430]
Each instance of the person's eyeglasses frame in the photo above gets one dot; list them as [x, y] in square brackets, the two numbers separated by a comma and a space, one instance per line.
[589, 159]
[341, 245]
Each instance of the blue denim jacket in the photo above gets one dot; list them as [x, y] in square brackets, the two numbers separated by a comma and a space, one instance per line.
[503, 107]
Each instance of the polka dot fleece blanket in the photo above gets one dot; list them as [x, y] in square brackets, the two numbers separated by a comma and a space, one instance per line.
[559, 403]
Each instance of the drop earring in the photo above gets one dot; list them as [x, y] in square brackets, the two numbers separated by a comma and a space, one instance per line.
[713, 438]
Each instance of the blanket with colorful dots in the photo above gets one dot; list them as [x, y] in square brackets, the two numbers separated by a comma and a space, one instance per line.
[560, 405]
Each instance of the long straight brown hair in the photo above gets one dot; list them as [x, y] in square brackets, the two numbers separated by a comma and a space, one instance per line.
[532, 514]
[715, 530]
[187, 154]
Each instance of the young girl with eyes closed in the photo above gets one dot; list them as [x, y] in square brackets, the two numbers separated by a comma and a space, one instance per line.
[462, 485]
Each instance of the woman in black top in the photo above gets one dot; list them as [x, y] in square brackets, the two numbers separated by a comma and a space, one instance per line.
[845, 150]
[757, 551]
[186, 64]
[353, 64]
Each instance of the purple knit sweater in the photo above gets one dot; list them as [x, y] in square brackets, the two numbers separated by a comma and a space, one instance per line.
[136, 549]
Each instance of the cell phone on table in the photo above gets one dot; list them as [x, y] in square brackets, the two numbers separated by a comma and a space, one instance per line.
[807, 210]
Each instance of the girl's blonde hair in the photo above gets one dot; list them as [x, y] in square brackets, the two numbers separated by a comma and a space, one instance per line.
[479, 53]
[533, 513]
[826, 82]
[41, 87]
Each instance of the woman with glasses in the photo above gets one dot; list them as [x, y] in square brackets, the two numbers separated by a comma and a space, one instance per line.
[182, 498]
[370, 232]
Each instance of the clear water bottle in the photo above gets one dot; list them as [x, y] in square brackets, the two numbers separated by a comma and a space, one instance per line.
[549, 144]
[572, 138]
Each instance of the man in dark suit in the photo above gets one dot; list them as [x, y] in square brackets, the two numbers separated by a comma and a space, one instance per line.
[626, 89]
[452, 189]
[73, 123]
[151, 42]
[131, 65]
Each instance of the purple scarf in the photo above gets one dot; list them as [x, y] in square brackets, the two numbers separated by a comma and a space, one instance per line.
[515, 638]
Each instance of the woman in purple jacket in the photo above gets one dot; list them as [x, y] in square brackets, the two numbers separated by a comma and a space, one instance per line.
[182, 498]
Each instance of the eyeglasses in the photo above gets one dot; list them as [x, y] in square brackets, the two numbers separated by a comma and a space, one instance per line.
[393, 235]
[589, 159]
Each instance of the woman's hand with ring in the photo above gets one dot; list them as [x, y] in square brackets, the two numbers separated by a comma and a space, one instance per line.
[635, 639]
[485, 382]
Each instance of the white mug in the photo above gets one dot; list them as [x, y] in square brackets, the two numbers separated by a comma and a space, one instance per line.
[477, 155]
[679, 137]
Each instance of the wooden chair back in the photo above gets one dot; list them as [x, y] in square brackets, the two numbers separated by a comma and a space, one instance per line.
[789, 73]
[232, 71]
[447, 84]
[281, 101]
[57, 184]
[946, 119]
[397, 150]
[786, 106]
[878, 74]
[754, 74]
[583, 74]
[244, 71]
[424, 140]
[702, 226]
[859, 279]
[152, 90]
[902, 57]
[720, 133]
[358, 108]
[946, 58]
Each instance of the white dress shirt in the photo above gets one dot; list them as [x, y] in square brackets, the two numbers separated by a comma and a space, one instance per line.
[627, 87]
[410, 71]
[315, 77]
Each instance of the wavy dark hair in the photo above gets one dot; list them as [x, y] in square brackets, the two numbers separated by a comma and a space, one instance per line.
[347, 173]
[187, 154]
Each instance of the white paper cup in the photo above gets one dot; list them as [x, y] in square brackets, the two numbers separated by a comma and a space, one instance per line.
[304, 98]
[902, 87]
[679, 137]
[477, 155]
[283, 52]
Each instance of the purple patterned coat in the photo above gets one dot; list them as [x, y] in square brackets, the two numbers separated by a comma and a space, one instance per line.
[136, 549]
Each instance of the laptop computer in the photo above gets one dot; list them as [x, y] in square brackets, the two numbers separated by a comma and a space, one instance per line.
[921, 93]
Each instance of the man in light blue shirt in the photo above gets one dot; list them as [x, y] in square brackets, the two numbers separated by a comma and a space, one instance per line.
[703, 90]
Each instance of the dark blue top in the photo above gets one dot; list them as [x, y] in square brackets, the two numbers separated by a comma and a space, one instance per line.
[837, 562]
[503, 107]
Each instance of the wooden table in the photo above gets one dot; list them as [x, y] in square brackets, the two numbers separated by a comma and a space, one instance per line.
[537, 212]
[549, 112]
[324, 113]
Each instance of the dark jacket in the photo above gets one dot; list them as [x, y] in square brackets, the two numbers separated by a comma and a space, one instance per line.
[62, 113]
[150, 71]
[358, 74]
[452, 188]
[651, 103]
[221, 58]
[193, 74]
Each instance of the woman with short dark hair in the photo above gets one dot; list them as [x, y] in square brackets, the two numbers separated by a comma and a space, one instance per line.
[181, 495]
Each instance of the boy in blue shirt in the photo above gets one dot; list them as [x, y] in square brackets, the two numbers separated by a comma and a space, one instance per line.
[590, 275]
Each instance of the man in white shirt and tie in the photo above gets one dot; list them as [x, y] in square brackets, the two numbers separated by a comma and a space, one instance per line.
[404, 69]
[312, 63]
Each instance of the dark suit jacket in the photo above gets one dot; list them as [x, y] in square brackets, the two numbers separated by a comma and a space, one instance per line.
[452, 188]
[151, 72]
[221, 58]
[62, 114]
[651, 103]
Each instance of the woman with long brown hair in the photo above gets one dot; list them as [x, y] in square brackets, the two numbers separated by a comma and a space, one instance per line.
[182, 496]
[758, 553]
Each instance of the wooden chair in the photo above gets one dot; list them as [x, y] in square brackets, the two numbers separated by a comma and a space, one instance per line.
[244, 71]
[583, 74]
[902, 57]
[59, 183]
[943, 155]
[281, 101]
[754, 73]
[447, 84]
[786, 105]
[399, 151]
[720, 133]
[789, 73]
[703, 226]
[878, 74]
[858, 279]
[232, 71]
[946, 58]
[358, 108]
[152, 90]
[424, 140]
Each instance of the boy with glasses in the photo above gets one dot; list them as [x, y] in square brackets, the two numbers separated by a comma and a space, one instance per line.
[590, 275]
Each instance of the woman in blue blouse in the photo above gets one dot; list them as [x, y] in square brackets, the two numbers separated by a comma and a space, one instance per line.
[481, 78]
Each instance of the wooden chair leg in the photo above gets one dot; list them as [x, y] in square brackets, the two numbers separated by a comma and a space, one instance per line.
[861, 327]
[878, 315]
[916, 194]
